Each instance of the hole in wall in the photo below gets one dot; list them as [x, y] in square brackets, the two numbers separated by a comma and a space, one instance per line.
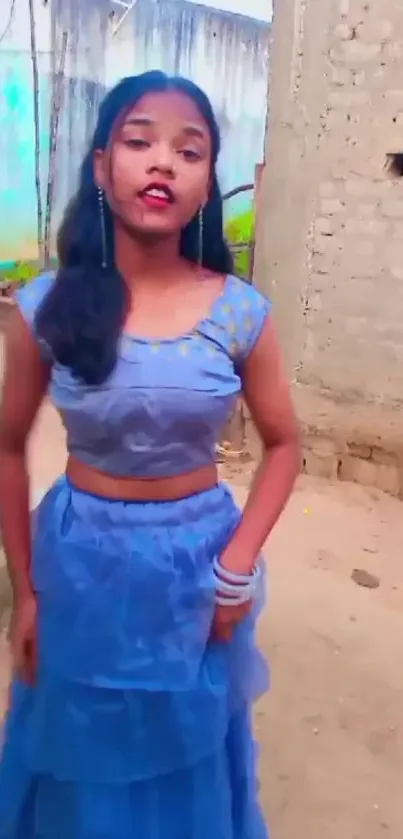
[394, 164]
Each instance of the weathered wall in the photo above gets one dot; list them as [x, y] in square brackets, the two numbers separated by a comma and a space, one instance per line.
[226, 54]
[330, 244]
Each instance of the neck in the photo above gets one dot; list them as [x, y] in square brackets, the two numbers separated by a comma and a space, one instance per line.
[147, 257]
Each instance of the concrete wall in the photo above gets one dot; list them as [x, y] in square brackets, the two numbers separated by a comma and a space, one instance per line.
[330, 239]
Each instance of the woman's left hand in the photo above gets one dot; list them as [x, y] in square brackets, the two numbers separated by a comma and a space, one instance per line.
[226, 620]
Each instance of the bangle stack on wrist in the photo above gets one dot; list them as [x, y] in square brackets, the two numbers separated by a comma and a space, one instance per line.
[234, 589]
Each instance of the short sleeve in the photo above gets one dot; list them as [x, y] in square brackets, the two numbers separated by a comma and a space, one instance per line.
[29, 298]
[252, 310]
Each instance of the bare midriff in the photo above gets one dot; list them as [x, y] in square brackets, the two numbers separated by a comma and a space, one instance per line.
[118, 488]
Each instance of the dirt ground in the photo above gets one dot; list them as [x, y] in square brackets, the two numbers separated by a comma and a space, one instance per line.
[331, 730]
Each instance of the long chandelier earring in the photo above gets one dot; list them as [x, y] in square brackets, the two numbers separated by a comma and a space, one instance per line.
[101, 202]
[201, 235]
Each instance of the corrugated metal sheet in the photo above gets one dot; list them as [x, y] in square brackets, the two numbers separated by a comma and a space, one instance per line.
[226, 54]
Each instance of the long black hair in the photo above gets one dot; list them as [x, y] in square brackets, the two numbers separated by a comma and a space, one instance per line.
[82, 316]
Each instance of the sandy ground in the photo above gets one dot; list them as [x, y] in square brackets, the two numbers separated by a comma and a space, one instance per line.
[331, 730]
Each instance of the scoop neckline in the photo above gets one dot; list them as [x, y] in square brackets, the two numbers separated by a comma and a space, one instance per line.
[219, 300]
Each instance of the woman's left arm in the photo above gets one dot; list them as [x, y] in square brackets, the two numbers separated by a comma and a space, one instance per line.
[268, 397]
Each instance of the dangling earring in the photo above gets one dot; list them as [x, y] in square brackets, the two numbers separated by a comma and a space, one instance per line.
[201, 231]
[103, 227]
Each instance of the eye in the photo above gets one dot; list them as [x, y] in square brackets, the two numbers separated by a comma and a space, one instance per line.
[137, 143]
[190, 154]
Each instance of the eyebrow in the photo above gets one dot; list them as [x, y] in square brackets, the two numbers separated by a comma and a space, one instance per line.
[144, 122]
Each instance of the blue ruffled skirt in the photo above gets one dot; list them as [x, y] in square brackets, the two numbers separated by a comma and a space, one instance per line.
[138, 726]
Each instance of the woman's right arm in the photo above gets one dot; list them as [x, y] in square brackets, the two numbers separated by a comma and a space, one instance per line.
[25, 383]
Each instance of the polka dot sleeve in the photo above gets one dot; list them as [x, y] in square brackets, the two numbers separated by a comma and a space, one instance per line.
[28, 299]
[253, 308]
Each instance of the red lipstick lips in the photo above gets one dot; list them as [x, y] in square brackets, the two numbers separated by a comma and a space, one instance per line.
[157, 196]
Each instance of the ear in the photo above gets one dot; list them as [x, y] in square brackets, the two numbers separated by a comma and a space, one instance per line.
[99, 168]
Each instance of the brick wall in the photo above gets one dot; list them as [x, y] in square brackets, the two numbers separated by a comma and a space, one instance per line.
[354, 304]
[330, 231]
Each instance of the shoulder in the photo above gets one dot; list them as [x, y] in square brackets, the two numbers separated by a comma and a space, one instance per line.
[250, 309]
[247, 294]
[31, 295]
[29, 299]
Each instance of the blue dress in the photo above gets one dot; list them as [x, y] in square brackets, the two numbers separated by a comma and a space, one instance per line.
[138, 726]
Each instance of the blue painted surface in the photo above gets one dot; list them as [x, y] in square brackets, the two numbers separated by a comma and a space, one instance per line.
[17, 144]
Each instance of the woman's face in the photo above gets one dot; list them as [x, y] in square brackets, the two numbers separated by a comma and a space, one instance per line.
[156, 171]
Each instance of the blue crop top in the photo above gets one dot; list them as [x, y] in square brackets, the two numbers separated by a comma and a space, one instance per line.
[164, 406]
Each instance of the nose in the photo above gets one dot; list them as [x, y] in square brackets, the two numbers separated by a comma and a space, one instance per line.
[162, 160]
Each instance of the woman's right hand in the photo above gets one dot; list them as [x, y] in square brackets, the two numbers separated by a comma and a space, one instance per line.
[23, 637]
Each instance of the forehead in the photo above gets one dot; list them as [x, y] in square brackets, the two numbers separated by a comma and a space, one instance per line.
[170, 107]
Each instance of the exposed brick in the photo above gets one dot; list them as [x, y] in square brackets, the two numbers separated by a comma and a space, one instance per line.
[388, 479]
[385, 458]
[370, 227]
[314, 303]
[395, 50]
[324, 226]
[320, 466]
[395, 97]
[359, 78]
[357, 470]
[341, 76]
[366, 210]
[392, 208]
[394, 252]
[368, 473]
[360, 450]
[359, 266]
[375, 32]
[355, 52]
[320, 445]
[328, 245]
[344, 32]
[348, 98]
[366, 187]
[321, 263]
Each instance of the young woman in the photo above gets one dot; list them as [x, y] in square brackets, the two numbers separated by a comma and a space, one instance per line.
[135, 598]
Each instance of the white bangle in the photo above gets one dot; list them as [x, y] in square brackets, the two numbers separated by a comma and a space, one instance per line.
[234, 589]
